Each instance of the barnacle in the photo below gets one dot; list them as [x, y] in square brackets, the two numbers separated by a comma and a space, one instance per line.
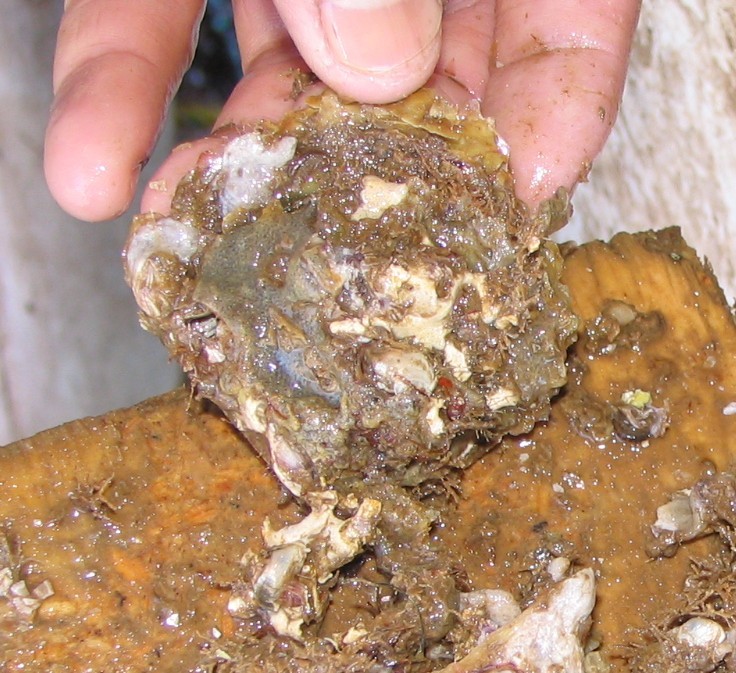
[361, 293]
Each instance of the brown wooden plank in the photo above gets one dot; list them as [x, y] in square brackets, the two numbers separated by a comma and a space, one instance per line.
[143, 514]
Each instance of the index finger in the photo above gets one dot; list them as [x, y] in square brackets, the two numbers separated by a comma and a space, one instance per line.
[117, 65]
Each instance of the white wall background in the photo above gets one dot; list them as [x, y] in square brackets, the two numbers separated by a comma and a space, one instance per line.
[671, 159]
[70, 344]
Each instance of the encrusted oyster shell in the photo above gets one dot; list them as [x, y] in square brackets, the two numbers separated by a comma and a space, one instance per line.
[362, 294]
[360, 291]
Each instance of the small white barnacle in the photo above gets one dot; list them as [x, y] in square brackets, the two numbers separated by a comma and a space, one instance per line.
[253, 410]
[150, 238]
[396, 369]
[249, 168]
[501, 398]
[434, 421]
[351, 326]
[377, 196]
[354, 634]
[287, 461]
[505, 321]
[214, 354]
[456, 360]
[678, 516]
[165, 236]
[706, 634]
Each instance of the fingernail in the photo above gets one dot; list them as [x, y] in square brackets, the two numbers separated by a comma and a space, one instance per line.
[378, 35]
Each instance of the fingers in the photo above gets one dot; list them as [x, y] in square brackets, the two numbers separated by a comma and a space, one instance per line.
[267, 91]
[270, 62]
[554, 85]
[467, 42]
[270, 58]
[558, 84]
[117, 65]
[375, 51]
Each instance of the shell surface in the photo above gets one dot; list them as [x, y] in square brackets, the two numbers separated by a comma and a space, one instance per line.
[360, 292]
[356, 288]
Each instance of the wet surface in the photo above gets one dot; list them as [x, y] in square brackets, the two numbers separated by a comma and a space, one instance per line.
[138, 519]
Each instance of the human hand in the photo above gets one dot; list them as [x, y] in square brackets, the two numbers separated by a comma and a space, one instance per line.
[550, 72]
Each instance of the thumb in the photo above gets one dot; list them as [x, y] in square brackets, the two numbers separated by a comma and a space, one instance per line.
[375, 51]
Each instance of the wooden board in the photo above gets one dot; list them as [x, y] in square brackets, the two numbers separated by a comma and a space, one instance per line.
[137, 519]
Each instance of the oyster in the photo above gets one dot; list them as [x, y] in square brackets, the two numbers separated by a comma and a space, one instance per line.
[361, 293]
